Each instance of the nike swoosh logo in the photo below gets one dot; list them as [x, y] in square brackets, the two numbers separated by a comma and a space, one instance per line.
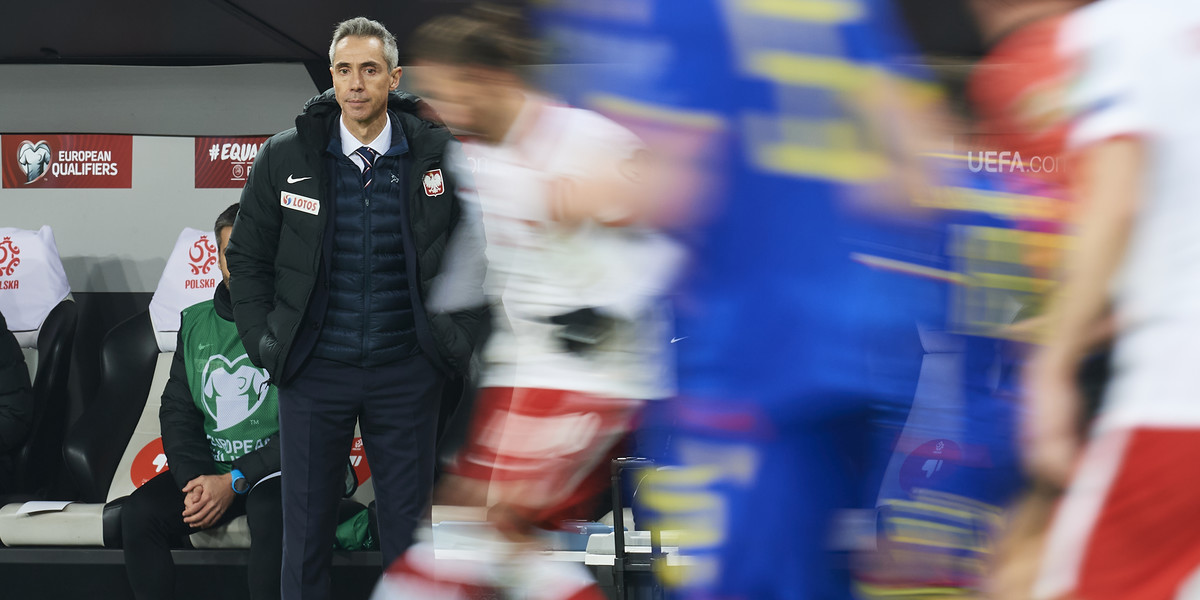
[292, 179]
[679, 339]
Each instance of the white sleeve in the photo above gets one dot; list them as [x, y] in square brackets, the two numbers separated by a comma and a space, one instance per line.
[459, 284]
[1105, 101]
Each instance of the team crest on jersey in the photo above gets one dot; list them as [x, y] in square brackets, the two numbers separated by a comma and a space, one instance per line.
[434, 185]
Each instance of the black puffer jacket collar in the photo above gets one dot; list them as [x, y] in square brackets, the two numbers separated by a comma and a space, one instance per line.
[313, 123]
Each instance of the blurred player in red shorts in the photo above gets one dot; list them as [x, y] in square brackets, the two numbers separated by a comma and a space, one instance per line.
[1127, 527]
[572, 280]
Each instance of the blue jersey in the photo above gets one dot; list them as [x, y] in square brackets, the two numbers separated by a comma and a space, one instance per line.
[792, 95]
[813, 281]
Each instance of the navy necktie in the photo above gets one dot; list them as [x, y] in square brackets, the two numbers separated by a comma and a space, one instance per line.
[368, 156]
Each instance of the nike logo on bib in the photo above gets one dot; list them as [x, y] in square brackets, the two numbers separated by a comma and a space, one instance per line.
[294, 179]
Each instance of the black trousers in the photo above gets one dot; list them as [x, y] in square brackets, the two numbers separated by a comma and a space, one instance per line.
[397, 409]
[152, 524]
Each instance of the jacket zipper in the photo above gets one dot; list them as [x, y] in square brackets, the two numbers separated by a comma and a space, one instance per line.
[366, 279]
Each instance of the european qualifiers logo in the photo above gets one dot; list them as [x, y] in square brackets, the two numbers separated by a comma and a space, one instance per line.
[34, 160]
[10, 259]
[232, 391]
[84, 161]
[201, 256]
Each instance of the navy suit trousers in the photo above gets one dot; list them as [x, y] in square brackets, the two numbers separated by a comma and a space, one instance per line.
[396, 406]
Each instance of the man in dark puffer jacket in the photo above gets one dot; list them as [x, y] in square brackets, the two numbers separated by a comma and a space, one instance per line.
[344, 222]
[16, 393]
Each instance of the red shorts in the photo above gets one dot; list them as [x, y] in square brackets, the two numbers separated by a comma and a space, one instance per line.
[1129, 526]
[545, 451]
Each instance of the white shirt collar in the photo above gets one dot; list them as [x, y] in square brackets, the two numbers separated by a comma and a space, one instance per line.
[381, 144]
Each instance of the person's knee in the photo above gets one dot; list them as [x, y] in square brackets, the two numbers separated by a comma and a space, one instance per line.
[264, 512]
[137, 516]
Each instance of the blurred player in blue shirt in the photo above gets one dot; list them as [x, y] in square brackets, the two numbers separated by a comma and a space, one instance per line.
[790, 154]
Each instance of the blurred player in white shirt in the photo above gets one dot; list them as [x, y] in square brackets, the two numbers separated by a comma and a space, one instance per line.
[1127, 527]
[574, 283]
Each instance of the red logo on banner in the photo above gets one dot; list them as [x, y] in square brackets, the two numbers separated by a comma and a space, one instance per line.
[358, 459]
[67, 161]
[225, 162]
[203, 255]
[149, 462]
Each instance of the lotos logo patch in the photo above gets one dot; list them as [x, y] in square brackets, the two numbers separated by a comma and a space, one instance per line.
[301, 203]
[233, 389]
[434, 184]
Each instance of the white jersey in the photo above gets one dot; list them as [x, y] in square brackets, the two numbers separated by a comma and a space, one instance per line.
[1140, 76]
[538, 268]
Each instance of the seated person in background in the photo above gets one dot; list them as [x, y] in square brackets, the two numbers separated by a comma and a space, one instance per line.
[220, 424]
[16, 396]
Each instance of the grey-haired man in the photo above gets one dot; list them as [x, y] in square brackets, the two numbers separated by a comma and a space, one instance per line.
[344, 221]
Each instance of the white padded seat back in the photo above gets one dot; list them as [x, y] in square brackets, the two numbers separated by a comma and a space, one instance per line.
[190, 277]
[32, 280]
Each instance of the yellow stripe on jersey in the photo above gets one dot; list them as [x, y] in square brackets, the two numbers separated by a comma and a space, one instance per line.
[927, 507]
[828, 149]
[841, 74]
[812, 11]
[809, 70]
[679, 501]
[692, 119]
[916, 593]
[821, 162]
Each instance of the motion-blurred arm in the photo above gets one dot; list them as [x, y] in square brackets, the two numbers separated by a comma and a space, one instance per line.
[1112, 178]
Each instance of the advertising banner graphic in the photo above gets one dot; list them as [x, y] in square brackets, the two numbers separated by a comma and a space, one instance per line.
[148, 463]
[224, 162]
[66, 161]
